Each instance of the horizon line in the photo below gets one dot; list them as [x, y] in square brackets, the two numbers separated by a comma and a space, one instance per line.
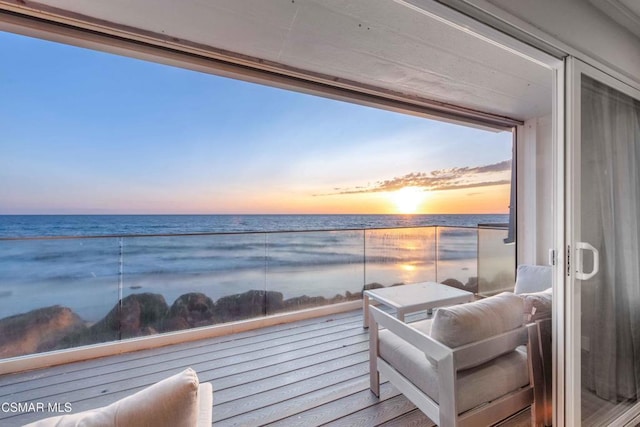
[246, 214]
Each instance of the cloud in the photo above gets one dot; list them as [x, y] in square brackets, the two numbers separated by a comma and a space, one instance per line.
[441, 179]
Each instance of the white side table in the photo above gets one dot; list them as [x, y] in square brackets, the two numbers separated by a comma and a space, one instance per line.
[414, 297]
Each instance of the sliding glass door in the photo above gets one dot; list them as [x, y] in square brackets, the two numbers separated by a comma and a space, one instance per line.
[603, 288]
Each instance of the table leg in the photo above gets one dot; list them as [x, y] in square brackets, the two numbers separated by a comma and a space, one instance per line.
[365, 311]
[400, 315]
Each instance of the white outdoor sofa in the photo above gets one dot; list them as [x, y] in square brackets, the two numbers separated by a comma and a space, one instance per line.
[177, 401]
[472, 364]
[468, 366]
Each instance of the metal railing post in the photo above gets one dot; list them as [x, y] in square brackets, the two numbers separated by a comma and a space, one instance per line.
[120, 285]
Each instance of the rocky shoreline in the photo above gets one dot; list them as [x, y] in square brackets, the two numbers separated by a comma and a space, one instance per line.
[142, 314]
[57, 327]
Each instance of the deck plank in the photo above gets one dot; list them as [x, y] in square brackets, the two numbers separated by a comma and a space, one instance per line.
[339, 408]
[376, 414]
[415, 418]
[292, 407]
[270, 382]
[253, 402]
[230, 376]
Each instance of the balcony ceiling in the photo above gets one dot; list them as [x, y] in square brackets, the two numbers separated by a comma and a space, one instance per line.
[373, 42]
[624, 12]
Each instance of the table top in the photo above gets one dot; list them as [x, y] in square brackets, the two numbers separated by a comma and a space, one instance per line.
[417, 294]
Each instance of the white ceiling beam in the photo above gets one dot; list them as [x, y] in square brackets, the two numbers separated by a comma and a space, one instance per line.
[159, 48]
[202, 59]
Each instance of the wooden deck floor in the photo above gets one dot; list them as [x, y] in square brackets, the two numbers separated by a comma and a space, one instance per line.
[308, 373]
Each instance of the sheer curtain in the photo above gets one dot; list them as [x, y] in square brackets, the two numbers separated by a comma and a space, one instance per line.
[610, 203]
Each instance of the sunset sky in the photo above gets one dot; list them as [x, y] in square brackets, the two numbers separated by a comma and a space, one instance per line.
[85, 132]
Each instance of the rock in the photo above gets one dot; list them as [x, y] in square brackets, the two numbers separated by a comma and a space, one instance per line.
[453, 283]
[304, 301]
[195, 309]
[353, 296]
[175, 324]
[274, 302]
[137, 313]
[147, 330]
[249, 304]
[471, 285]
[338, 298]
[374, 285]
[37, 330]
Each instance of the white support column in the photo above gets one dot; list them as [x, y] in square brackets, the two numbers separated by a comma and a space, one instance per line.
[527, 192]
[544, 189]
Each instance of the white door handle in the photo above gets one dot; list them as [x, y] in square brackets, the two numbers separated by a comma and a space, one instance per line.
[580, 274]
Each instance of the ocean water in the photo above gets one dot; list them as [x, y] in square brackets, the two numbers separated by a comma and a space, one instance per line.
[88, 263]
[122, 225]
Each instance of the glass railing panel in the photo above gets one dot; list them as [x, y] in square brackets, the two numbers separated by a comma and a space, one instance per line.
[180, 282]
[54, 293]
[496, 261]
[310, 269]
[457, 257]
[93, 290]
[400, 256]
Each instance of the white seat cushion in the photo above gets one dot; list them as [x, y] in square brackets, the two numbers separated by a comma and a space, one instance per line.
[171, 402]
[475, 386]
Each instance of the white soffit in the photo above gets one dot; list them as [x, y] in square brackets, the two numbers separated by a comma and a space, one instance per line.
[374, 42]
[633, 5]
[624, 12]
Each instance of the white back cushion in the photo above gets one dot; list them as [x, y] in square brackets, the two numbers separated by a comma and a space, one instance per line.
[466, 323]
[533, 278]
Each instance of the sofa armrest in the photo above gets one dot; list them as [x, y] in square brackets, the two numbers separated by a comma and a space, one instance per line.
[433, 349]
[205, 405]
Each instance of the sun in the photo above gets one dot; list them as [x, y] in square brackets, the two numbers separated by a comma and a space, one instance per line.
[408, 199]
